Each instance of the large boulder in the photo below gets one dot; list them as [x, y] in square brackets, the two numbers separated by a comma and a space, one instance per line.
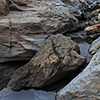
[54, 15]
[49, 16]
[86, 85]
[20, 43]
[58, 56]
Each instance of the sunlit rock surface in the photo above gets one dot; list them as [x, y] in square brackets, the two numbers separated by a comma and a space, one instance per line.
[28, 18]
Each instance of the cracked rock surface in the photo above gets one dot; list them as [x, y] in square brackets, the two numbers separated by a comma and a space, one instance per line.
[27, 18]
[86, 86]
[53, 61]
[18, 43]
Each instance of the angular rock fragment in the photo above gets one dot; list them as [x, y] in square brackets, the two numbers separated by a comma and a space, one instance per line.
[53, 61]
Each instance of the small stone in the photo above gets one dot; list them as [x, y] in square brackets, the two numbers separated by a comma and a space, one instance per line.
[96, 12]
[99, 17]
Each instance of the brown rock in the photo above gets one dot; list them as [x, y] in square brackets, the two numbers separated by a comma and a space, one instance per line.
[55, 59]
[4, 7]
[93, 31]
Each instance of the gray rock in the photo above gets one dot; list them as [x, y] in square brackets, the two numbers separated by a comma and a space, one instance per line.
[86, 85]
[28, 18]
[99, 17]
[56, 58]
[95, 46]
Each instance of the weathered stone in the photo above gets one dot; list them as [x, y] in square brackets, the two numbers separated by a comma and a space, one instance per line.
[95, 46]
[99, 17]
[20, 42]
[96, 12]
[93, 31]
[54, 16]
[53, 61]
[86, 85]
[4, 7]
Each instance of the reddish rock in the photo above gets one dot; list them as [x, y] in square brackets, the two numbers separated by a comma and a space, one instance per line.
[93, 31]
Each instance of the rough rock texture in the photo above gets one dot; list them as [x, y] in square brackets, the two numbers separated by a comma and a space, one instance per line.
[20, 43]
[51, 16]
[93, 31]
[4, 7]
[95, 46]
[86, 86]
[53, 61]
[54, 15]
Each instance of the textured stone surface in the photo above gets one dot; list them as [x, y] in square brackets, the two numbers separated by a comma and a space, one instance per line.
[28, 18]
[95, 46]
[93, 31]
[86, 86]
[53, 61]
[20, 43]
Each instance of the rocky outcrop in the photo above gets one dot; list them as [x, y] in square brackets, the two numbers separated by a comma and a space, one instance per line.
[93, 31]
[20, 43]
[54, 15]
[86, 85]
[56, 58]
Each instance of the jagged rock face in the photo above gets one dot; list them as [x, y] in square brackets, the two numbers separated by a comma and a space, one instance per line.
[86, 86]
[52, 16]
[93, 31]
[20, 42]
[4, 7]
[58, 56]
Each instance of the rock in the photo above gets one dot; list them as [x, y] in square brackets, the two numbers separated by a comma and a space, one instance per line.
[93, 31]
[55, 16]
[56, 58]
[95, 46]
[96, 12]
[99, 17]
[21, 42]
[4, 7]
[86, 85]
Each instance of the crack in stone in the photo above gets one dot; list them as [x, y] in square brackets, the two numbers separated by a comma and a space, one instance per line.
[10, 38]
